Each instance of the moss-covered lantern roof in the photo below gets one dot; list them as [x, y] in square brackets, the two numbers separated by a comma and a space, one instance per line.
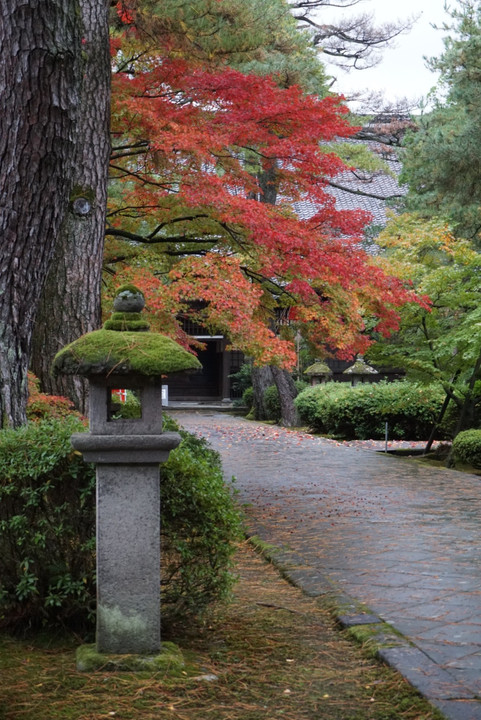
[360, 367]
[124, 346]
[318, 368]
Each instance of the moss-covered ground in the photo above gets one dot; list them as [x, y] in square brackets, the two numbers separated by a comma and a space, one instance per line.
[271, 653]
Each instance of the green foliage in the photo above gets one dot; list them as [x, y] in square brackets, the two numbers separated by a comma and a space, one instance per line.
[47, 528]
[248, 397]
[242, 386]
[200, 525]
[440, 342]
[242, 379]
[442, 159]
[131, 409]
[272, 403]
[467, 448]
[362, 411]
[260, 38]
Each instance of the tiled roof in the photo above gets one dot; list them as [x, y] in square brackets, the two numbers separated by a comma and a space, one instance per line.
[361, 190]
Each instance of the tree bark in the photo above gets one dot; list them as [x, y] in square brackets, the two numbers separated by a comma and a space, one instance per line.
[262, 377]
[268, 182]
[282, 379]
[40, 79]
[466, 414]
[287, 390]
[70, 304]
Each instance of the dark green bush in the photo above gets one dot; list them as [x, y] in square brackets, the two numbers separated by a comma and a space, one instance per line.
[467, 448]
[47, 528]
[242, 379]
[312, 404]
[361, 412]
[128, 409]
[248, 397]
[272, 403]
[200, 526]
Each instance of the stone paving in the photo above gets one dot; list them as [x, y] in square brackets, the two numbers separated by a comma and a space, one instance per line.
[403, 539]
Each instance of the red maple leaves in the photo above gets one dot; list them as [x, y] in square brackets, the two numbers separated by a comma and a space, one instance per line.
[193, 146]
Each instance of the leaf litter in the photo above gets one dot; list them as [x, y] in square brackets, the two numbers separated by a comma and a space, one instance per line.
[270, 653]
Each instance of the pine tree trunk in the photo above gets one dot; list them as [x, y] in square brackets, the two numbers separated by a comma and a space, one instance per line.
[70, 304]
[40, 79]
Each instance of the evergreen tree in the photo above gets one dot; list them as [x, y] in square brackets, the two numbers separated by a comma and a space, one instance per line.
[40, 85]
[442, 162]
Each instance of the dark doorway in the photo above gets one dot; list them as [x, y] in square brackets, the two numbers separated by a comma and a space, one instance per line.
[206, 384]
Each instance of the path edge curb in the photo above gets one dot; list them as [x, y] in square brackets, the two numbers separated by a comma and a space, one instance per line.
[385, 643]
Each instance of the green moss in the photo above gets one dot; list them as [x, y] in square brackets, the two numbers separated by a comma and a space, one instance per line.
[122, 325]
[265, 549]
[105, 352]
[133, 289]
[360, 367]
[170, 660]
[121, 321]
[376, 637]
[82, 191]
[126, 316]
[318, 368]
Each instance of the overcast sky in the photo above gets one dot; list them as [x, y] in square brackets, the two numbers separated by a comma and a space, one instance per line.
[402, 71]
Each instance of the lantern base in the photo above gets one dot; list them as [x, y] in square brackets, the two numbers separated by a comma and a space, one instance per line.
[169, 660]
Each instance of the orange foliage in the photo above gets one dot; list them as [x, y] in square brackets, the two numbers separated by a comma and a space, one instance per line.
[189, 144]
[42, 406]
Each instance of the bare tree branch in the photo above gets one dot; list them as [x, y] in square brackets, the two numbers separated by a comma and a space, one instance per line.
[355, 41]
[353, 191]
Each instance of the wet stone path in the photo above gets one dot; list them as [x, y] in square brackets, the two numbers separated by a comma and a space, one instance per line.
[403, 539]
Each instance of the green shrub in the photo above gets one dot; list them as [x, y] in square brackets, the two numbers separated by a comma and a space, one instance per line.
[200, 526]
[272, 403]
[242, 379]
[312, 404]
[47, 528]
[130, 409]
[361, 412]
[467, 448]
[248, 397]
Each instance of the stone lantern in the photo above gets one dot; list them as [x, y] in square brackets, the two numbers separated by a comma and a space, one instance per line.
[361, 372]
[127, 453]
[318, 373]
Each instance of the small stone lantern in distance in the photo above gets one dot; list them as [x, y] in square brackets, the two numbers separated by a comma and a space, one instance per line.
[127, 452]
[319, 372]
[361, 372]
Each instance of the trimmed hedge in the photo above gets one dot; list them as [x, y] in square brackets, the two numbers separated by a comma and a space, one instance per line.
[467, 448]
[360, 412]
[47, 528]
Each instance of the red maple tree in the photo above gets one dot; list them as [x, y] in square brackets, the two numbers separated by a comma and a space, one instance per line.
[193, 145]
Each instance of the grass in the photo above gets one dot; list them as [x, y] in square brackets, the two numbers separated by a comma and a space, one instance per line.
[271, 654]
